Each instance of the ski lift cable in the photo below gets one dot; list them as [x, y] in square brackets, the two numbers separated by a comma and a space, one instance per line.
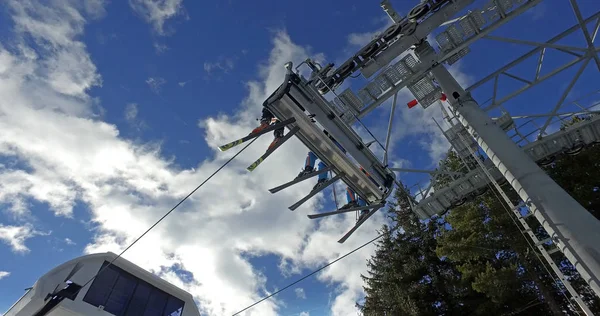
[165, 215]
[313, 273]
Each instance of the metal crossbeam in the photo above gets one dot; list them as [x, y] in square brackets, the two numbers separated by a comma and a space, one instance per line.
[538, 44]
[427, 171]
[564, 96]
[538, 79]
[588, 38]
[426, 65]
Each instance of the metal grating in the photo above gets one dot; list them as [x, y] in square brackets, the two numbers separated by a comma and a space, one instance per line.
[383, 82]
[335, 107]
[473, 23]
[422, 88]
[443, 40]
[506, 5]
[425, 92]
[456, 35]
[430, 99]
[348, 118]
[364, 96]
[374, 89]
[347, 100]
[456, 57]
[491, 13]
[393, 75]
[461, 148]
[406, 66]
[478, 19]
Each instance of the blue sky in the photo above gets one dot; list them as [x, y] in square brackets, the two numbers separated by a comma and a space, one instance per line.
[119, 113]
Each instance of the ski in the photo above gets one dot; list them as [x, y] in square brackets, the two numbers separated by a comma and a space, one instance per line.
[360, 222]
[251, 136]
[300, 179]
[272, 149]
[352, 209]
[314, 192]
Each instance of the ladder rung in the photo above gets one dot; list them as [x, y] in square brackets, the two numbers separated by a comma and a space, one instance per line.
[527, 215]
[553, 250]
[543, 241]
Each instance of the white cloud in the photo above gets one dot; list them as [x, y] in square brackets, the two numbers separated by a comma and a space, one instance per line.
[156, 83]
[71, 157]
[4, 274]
[300, 293]
[48, 124]
[304, 314]
[362, 39]
[131, 111]
[223, 64]
[183, 83]
[15, 236]
[160, 48]
[157, 12]
[69, 242]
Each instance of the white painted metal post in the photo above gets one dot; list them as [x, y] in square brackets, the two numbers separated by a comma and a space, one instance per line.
[573, 229]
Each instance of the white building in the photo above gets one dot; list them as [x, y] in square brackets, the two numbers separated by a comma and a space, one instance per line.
[122, 288]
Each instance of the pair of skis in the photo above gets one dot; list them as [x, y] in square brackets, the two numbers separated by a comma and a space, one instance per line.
[373, 208]
[270, 150]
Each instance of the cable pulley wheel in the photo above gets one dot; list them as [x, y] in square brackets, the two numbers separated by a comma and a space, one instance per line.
[459, 203]
[392, 32]
[418, 12]
[346, 69]
[369, 51]
[409, 28]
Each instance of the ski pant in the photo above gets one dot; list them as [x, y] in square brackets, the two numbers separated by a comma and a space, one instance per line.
[268, 118]
[351, 196]
[311, 159]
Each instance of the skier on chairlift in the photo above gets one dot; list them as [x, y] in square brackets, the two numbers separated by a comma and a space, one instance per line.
[309, 167]
[266, 120]
[353, 200]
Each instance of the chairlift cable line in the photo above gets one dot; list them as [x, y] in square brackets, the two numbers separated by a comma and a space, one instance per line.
[165, 215]
[313, 273]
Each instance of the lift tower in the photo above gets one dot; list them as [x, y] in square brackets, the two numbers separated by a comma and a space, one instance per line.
[571, 227]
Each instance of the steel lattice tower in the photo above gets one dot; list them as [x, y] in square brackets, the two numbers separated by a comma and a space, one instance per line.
[405, 55]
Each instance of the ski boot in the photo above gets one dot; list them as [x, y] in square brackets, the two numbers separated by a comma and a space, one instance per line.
[278, 136]
[307, 170]
[319, 183]
[349, 205]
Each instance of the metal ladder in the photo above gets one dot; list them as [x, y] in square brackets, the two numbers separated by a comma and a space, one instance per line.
[539, 244]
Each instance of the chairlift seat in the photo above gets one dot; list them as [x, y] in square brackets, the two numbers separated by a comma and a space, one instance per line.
[298, 99]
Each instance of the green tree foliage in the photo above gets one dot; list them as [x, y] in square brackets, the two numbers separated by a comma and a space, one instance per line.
[475, 259]
[406, 277]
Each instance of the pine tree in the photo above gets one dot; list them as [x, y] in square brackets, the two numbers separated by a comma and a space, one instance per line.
[406, 277]
[475, 259]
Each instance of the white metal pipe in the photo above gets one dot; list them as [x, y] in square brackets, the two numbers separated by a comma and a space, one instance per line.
[574, 230]
[389, 131]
